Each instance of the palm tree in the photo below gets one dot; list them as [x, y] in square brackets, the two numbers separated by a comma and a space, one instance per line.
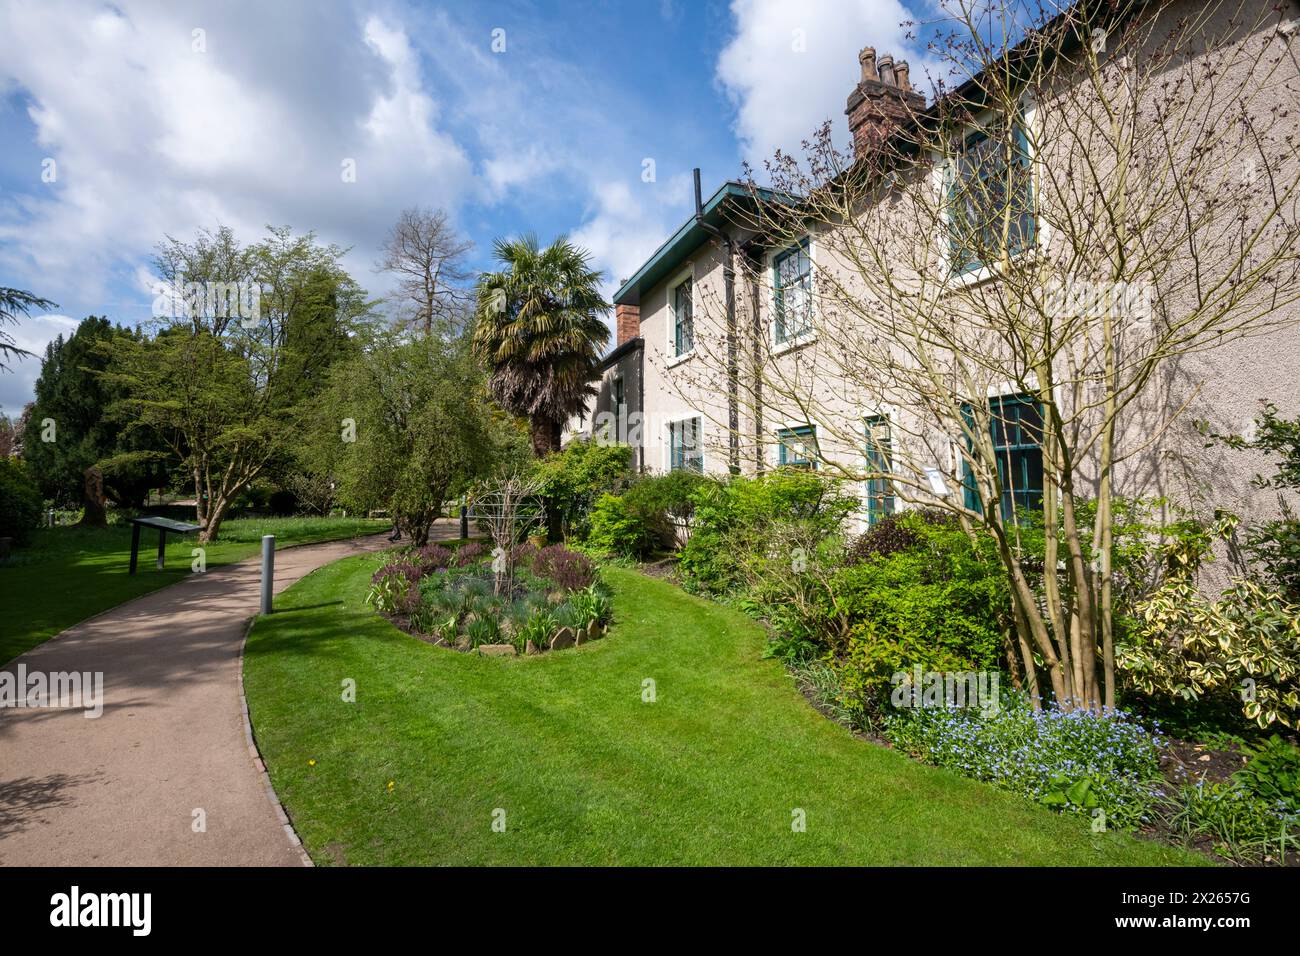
[540, 331]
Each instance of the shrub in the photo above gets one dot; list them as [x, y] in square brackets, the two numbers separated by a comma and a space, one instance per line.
[570, 570]
[1045, 755]
[20, 501]
[573, 479]
[1274, 548]
[1185, 646]
[616, 530]
[468, 553]
[407, 569]
[666, 506]
[941, 603]
[895, 533]
[435, 557]
[738, 520]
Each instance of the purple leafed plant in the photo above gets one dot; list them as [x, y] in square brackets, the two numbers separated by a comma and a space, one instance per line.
[469, 553]
[571, 570]
[410, 570]
[435, 557]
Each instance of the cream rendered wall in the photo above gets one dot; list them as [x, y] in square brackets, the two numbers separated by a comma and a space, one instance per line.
[680, 387]
[1222, 386]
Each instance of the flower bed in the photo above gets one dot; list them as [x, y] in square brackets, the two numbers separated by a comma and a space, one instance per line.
[1076, 761]
[535, 600]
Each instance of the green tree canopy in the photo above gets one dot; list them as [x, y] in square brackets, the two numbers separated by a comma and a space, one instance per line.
[13, 303]
[73, 393]
[245, 340]
[406, 426]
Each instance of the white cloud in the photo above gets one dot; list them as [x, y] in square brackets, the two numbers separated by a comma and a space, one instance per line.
[790, 66]
[32, 335]
[629, 221]
[152, 136]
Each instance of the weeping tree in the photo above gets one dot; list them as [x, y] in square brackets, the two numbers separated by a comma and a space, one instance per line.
[1011, 286]
[539, 330]
[404, 426]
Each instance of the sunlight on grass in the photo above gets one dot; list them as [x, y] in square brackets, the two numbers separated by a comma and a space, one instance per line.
[584, 770]
[70, 574]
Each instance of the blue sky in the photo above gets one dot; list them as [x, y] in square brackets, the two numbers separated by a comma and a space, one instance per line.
[512, 116]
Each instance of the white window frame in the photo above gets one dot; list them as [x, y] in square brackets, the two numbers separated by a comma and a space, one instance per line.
[690, 415]
[808, 335]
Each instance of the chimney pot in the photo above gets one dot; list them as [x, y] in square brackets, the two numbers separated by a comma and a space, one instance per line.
[881, 100]
[868, 60]
[886, 66]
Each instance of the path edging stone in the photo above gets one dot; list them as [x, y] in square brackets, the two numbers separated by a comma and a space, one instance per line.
[259, 764]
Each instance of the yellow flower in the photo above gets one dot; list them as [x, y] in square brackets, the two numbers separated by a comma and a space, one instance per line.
[311, 763]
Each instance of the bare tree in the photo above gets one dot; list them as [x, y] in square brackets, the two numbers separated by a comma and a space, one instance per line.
[424, 252]
[512, 509]
[1034, 260]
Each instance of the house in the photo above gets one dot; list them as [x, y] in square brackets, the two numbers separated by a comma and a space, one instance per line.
[767, 339]
[615, 411]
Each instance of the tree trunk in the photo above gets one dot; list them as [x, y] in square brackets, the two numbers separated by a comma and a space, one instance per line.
[545, 435]
[200, 512]
[95, 515]
[216, 514]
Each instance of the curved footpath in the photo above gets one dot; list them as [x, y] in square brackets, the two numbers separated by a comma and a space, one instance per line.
[165, 775]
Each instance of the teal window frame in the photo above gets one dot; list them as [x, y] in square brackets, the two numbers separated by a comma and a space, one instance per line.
[793, 447]
[683, 330]
[1017, 431]
[781, 330]
[1025, 229]
[878, 452]
[684, 448]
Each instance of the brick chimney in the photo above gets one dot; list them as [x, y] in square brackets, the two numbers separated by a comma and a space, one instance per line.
[627, 323]
[882, 99]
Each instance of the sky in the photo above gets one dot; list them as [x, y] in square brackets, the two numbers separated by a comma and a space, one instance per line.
[124, 122]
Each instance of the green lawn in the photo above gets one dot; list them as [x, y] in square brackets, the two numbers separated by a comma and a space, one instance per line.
[69, 574]
[588, 773]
